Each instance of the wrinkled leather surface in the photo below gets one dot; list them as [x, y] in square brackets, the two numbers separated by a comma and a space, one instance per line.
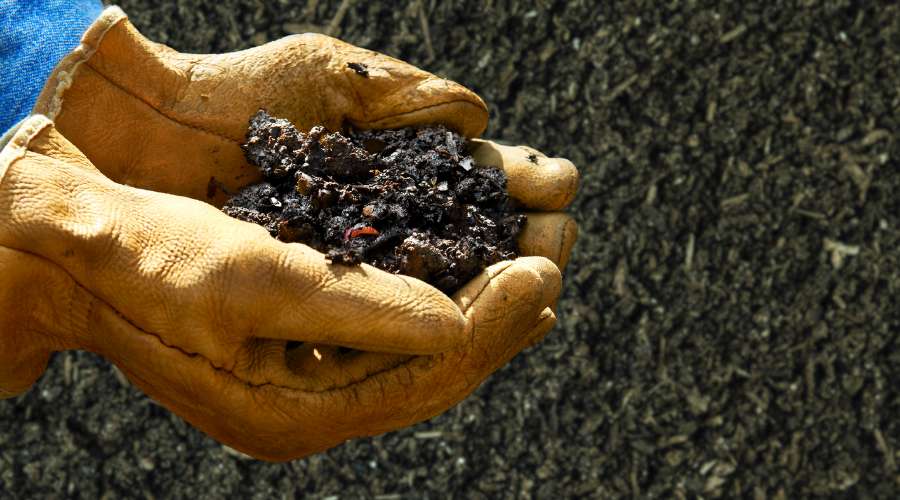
[187, 109]
[197, 308]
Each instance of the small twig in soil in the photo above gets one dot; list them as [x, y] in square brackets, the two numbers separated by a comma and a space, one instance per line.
[838, 251]
[423, 20]
[689, 253]
[731, 35]
[334, 26]
[622, 87]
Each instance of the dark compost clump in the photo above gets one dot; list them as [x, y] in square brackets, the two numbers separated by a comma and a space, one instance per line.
[410, 201]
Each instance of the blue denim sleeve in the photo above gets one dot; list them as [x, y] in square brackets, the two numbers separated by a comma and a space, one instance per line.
[34, 36]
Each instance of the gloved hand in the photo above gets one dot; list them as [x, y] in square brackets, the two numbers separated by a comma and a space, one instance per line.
[196, 308]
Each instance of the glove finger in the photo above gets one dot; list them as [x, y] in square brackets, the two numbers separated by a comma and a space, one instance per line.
[549, 234]
[540, 330]
[199, 279]
[509, 295]
[389, 391]
[360, 307]
[534, 180]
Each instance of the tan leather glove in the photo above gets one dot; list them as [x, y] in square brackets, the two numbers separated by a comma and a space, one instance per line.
[196, 308]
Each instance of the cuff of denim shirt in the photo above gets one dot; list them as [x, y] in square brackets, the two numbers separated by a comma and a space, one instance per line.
[34, 37]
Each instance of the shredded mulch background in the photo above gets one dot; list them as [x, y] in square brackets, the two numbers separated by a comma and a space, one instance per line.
[729, 323]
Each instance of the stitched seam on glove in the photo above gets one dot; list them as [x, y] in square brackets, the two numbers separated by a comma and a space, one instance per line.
[62, 77]
[423, 108]
[17, 146]
[240, 379]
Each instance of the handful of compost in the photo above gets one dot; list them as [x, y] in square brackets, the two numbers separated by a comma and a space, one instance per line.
[410, 201]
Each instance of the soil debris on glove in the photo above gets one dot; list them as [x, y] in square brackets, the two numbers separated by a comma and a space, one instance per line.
[410, 201]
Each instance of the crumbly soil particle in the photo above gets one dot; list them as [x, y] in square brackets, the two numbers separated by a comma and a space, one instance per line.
[710, 343]
[409, 201]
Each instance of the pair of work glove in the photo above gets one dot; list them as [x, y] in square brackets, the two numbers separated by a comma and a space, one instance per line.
[111, 241]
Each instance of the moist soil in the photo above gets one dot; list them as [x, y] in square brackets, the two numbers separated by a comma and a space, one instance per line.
[409, 201]
[728, 324]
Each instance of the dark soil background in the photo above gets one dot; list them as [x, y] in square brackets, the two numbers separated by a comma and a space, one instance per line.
[730, 316]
